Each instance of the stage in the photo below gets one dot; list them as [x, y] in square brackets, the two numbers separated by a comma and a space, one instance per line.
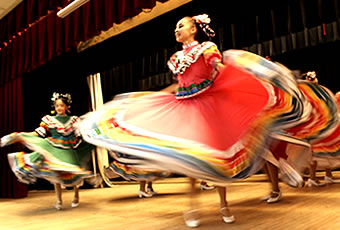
[120, 208]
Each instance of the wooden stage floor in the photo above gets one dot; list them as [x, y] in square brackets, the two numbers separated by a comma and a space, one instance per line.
[120, 208]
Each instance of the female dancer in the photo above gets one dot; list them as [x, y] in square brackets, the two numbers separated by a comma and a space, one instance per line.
[326, 154]
[322, 136]
[60, 156]
[208, 130]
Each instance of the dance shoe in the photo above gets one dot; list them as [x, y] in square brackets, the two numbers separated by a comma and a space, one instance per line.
[206, 187]
[275, 199]
[265, 198]
[227, 219]
[190, 218]
[75, 204]
[312, 182]
[330, 180]
[142, 194]
[58, 205]
[151, 191]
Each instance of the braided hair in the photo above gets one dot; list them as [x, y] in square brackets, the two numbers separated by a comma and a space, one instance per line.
[204, 32]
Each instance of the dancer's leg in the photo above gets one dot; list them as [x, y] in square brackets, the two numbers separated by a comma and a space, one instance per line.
[191, 217]
[57, 188]
[273, 175]
[313, 181]
[75, 202]
[226, 213]
[142, 192]
[150, 189]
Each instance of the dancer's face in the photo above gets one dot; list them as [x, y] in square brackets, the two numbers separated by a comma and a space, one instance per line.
[185, 30]
[60, 107]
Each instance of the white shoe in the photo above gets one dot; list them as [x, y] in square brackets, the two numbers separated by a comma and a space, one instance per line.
[330, 180]
[75, 204]
[312, 182]
[275, 199]
[58, 206]
[142, 194]
[265, 198]
[227, 219]
[206, 187]
[189, 220]
[151, 191]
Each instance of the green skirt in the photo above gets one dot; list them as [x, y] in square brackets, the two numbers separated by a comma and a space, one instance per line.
[57, 165]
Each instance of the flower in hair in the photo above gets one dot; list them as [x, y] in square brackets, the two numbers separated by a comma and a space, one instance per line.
[311, 74]
[203, 21]
[66, 96]
[202, 18]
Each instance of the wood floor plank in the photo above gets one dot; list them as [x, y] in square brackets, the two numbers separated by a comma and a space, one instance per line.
[120, 208]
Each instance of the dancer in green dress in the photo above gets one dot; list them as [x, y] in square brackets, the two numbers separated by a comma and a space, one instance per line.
[59, 154]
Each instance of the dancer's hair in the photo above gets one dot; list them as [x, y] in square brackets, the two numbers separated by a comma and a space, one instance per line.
[66, 99]
[204, 32]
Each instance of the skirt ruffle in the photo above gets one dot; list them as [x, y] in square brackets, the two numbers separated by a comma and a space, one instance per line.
[326, 151]
[132, 168]
[312, 131]
[47, 162]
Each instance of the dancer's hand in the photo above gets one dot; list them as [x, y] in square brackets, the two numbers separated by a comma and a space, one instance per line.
[8, 139]
[219, 67]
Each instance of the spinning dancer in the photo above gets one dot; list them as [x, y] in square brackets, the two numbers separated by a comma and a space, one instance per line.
[326, 153]
[319, 128]
[60, 156]
[215, 127]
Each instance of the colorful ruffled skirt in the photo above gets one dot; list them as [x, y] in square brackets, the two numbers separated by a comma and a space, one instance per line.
[321, 128]
[326, 151]
[57, 165]
[218, 136]
[318, 134]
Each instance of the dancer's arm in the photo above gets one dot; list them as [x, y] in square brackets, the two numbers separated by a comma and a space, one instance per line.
[34, 133]
[219, 67]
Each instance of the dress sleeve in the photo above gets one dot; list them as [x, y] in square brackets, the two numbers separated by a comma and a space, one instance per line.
[75, 124]
[43, 129]
[212, 56]
[173, 64]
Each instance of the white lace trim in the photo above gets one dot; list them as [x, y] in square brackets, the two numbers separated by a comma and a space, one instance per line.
[52, 122]
[185, 60]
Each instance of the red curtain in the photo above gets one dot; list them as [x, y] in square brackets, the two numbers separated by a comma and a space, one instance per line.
[31, 35]
[11, 120]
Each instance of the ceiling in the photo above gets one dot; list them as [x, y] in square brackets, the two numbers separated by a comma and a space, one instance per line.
[7, 5]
